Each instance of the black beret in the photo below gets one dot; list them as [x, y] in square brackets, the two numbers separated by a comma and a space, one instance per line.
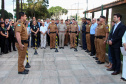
[52, 19]
[103, 17]
[98, 19]
[88, 19]
[21, 13]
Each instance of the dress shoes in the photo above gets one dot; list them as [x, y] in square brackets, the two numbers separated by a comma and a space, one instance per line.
[87, 51]
[123, 79]
[24, 72]
[97, 61]
[115, 73]
[15, 50]
[91, 54]
[96, 58]
[110, 69]
[100, 62]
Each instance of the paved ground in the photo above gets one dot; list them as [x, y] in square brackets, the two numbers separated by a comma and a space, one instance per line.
[64, 67]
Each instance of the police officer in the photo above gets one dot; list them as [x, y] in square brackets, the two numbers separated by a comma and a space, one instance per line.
[88, 35]
[62, 32]
[53, 30]
[95, 41]
[84, 33]
[102, 35]
[67, 33]
[73, 32]
[22, 42]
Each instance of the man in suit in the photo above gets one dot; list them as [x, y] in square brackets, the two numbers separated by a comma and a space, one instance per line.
[115, 42]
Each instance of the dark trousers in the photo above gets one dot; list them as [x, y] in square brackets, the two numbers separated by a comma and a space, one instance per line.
[11, 42]
[38, 39]
[48, 39]
[115, 53]
[33, 40]
[28, 40]
[84, 41]
[93, 51]
[109, 55]
[4, 45]
[77, 40]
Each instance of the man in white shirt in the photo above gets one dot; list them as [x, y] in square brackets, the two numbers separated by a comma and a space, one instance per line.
[47, 24]
[124, 58]
[43, 30]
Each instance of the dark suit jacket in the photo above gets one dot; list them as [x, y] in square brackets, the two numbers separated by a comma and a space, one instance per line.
[116, 37]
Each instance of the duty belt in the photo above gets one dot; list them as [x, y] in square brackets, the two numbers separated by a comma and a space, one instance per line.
[83, 31]
[52, 32]
[74, 32]
[87, 32]
[23, 41]
[100, 37]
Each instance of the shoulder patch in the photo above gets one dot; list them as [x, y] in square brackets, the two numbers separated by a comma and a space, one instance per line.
[19, 25]
[106, 27]
[102, 26]
[19, 21]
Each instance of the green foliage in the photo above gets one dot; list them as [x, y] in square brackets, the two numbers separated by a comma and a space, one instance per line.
[57, 11]
[7, 15]
[37, 8]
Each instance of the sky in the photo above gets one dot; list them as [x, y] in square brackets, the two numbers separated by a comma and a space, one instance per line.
[67, 4]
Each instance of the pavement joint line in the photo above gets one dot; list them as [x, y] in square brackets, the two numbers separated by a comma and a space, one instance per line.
[72, 71]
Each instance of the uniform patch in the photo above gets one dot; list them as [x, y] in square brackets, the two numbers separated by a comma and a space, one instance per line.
[19, 21]
[106, 27]
[19, 25]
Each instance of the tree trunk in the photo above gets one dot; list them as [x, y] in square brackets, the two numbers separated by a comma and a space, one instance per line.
[2, 12]
[17, 9]
[21, 5]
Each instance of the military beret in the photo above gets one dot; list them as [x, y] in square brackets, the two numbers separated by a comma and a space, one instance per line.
[103, 17]
[88, 19]
[52, 19]
[98, 19]
[84, 18]
[21, 13]
[66, 20]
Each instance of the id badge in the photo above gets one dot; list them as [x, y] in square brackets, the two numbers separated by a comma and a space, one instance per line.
[5, 32]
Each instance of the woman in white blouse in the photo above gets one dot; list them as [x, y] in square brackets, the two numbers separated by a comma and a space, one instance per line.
[124, 58]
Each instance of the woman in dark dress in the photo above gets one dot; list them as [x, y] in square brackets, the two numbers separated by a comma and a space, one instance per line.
[4, 38]
[34, 31]
[11, 38]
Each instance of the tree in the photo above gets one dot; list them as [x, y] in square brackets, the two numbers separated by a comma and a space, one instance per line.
[37, 9]
[57, 11]
[17, 9]
[7, 15]
[2, 4]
